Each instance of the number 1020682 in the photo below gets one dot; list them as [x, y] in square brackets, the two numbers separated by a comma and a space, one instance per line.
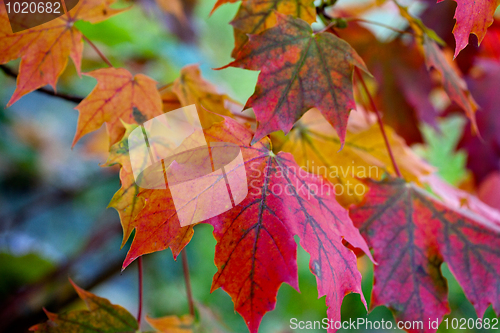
[33, 7]
[471, 323]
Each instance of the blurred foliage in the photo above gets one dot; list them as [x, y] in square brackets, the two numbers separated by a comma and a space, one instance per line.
[17, 271]
[53, 217]
[440, 146]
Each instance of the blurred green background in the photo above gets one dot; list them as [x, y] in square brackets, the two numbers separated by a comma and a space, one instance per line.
[53, 218]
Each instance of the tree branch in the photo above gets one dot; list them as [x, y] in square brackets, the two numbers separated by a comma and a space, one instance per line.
[50, 92]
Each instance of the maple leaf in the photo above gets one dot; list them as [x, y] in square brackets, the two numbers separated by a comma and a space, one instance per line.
[44, 49]
[473, 17]
[172, 324]
[157, 227]
[101, 316]
[125, 200]
[299, 70]
[190, 88]
[255, 16]
[412, 234]
[256, 251]
[453, 84]
[118, 96]
[313, 140]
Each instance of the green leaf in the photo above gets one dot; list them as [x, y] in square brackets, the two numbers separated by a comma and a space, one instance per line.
[101, 316]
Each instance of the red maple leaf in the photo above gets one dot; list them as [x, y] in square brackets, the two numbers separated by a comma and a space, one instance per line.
[412, 234]
[299, 70]
[256, 251]
[473, 17]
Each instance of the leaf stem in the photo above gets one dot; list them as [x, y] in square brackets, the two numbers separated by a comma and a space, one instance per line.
[139, 311]
[379, 120]
[185, 267]
[103, 57]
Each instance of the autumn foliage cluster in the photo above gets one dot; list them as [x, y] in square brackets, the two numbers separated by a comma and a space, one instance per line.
[329, 96]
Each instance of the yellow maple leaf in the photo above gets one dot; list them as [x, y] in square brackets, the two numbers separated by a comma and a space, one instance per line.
[316, 147]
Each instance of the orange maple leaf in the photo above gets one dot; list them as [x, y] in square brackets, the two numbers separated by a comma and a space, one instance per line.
[118, 95]
[44, 49]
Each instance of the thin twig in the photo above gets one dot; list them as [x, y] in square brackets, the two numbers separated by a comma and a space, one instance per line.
[379, 120]
[103, 57]
[139, 311]
[71, 98]
[185, 267]
[354, 19]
